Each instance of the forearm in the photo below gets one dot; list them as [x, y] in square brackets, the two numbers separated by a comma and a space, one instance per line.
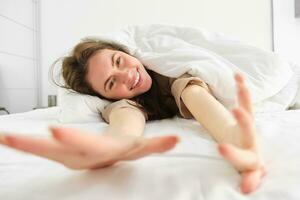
[219, 122]
[126, 121]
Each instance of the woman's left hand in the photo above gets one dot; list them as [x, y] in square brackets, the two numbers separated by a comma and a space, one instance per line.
[243, 154]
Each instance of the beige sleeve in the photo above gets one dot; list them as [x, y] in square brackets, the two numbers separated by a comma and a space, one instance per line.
[120, 104]
[178, 86]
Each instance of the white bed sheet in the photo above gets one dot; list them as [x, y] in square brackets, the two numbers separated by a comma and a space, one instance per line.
[193, 170]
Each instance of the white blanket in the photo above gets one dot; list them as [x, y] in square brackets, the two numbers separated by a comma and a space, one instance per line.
[174, 50]
[193, 170]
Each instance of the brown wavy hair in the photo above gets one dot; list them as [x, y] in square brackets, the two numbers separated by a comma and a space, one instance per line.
[74, 70]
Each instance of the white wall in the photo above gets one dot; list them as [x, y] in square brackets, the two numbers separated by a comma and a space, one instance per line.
[64, 22]
[18, 85]
[286, 30]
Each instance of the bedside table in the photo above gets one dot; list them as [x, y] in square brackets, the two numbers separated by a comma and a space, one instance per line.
[4, 109]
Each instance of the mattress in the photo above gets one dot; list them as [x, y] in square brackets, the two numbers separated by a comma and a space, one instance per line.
[192, 170]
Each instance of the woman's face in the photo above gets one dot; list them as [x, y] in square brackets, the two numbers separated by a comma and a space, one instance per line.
[117, 75]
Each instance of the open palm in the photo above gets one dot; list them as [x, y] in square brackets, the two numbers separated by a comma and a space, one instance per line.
[243, 153]
[77, 149]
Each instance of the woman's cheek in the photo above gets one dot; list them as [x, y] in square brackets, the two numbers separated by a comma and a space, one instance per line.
[123, 93]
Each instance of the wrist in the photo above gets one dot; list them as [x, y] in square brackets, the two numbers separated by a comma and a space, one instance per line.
[232, 135]
[110, 130]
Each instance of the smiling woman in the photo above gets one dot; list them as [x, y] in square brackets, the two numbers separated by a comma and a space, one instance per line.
[122, 75]
[106, 70]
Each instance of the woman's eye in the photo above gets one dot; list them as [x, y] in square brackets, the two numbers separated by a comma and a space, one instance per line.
[118, 61]
[111, 84]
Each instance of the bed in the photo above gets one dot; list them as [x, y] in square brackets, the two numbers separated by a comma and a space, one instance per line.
[192, 170]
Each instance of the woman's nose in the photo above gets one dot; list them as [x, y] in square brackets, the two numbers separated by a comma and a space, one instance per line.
[126, 76]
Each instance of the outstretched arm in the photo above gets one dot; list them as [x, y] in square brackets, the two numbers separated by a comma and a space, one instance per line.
[235, 133]
[126, 121]
[77, 149]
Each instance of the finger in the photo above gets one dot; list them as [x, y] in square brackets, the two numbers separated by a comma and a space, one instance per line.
[71, 136]
[251, 180]
[152, 145]
[244, 97]
[38, 146]
[86, 141]
[161, 144]
[241, 159]
[246, 126]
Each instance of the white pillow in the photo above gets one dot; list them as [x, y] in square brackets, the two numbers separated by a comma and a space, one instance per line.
[296, 102]
[79, 108]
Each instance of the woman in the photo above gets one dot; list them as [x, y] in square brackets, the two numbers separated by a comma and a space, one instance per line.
[107, 70]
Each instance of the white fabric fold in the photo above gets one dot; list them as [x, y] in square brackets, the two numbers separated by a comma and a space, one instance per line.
[213, 57]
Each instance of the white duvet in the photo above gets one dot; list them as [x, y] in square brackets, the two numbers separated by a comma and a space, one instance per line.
[193, 170]
[175, 50]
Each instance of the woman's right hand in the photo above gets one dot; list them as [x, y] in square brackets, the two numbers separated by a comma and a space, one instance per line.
[77, 149]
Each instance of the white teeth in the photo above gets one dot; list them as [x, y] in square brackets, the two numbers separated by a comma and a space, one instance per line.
[136, 80]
